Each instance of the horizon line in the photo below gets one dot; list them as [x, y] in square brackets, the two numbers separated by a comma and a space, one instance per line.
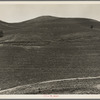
[15, 22]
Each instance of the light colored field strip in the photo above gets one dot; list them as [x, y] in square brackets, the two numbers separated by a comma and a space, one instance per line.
[83, 78]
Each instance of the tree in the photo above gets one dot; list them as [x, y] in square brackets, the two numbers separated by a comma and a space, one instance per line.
[39, 90]
[91, 26]
[1, 33]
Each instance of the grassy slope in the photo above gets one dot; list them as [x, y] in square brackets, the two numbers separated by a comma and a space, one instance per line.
[73, 51]
[74, 86]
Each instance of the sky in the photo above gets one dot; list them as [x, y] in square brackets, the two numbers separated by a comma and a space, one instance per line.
[21, 12]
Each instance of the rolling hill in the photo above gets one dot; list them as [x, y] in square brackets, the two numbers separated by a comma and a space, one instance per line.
[85, 85]
[48, 48]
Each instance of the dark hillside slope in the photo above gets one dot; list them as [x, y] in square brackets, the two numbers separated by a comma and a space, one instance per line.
[47, 49]
[50, 28]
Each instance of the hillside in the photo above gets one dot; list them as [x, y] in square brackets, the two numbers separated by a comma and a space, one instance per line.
[49, 28]
[48, 48]
[86, 85]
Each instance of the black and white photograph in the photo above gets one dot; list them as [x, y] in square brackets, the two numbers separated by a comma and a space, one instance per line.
[49, 48]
